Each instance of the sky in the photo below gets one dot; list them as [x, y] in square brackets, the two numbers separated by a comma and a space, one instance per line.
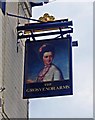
[80, 104]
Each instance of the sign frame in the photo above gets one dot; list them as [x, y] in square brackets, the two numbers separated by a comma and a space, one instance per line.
[47, 88]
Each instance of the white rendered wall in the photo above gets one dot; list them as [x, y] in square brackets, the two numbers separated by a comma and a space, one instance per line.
[11, 64]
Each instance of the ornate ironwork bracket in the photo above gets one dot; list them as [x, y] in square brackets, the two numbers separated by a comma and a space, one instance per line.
[43, 28]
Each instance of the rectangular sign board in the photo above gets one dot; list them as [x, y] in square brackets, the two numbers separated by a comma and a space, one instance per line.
[48, 68]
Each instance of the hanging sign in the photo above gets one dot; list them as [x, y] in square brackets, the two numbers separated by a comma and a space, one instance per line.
[48, 68]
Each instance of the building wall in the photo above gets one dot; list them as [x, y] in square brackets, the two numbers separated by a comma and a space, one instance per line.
[0, 57]
[12, 62]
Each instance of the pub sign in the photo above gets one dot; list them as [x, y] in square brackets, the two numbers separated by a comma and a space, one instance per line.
[48, 68]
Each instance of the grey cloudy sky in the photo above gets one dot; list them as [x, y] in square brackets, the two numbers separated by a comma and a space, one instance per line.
[80, 104]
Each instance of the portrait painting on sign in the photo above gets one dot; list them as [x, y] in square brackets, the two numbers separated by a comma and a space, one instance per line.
[47, 61]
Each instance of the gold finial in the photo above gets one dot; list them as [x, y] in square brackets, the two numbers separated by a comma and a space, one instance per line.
[46, 17]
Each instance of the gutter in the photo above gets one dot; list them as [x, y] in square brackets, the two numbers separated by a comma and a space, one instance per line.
[28, 10]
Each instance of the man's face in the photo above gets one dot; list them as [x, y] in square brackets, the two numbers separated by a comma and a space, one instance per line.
[47, 58]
